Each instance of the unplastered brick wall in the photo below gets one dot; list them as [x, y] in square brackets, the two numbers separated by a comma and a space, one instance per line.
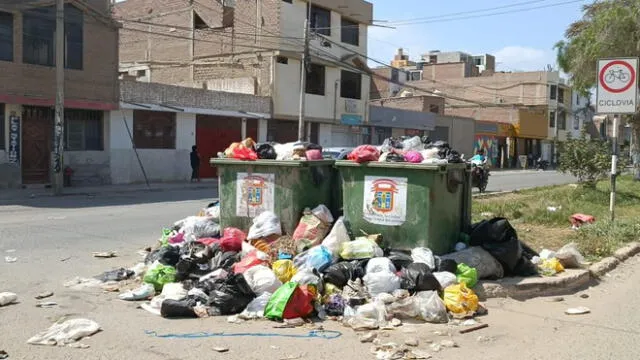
[499, 114]
[97, 81]
[413, 103]
[151, 93]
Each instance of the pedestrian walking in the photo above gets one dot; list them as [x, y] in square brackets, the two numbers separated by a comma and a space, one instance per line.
[195, 164]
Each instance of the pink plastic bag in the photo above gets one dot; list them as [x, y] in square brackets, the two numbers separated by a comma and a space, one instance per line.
[232, 239]
[314, 154]
[364, 153]
[413, 157]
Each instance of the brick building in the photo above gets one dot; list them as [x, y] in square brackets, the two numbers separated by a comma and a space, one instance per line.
[254, 47]
[27, 87]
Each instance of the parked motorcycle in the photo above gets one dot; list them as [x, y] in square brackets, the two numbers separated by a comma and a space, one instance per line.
[479, 175]
[542, 165]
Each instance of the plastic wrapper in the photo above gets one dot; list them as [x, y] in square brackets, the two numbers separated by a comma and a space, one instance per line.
[550, 267]
[265, 225]
[160, 275]
[336, 237]
[381, 282]
[460, 300]
[255, 309]
[412, 144]
[430, 307]
[380, 264]
[261, 280]
[445, 278]
[312, 228]
[284, 270]
[308, 276]
[466, 274]
[252, 259]
[425, 256]
[404, 308]
[570, 257]
[361, 248]
[373, 310]
[335, 305]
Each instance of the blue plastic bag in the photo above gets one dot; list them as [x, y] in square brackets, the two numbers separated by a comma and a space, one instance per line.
[319, 258]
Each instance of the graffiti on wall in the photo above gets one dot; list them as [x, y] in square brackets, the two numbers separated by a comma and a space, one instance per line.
[490, 146]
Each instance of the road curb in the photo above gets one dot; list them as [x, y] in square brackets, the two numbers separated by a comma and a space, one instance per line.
[493, 194]
[568, 282]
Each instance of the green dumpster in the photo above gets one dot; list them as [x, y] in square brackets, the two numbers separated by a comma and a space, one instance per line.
[409, 204]
[247, 188]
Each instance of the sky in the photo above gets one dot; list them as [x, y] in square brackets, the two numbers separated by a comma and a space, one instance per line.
[520, 40]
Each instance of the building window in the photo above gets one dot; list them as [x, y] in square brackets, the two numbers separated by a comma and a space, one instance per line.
[288, 1]
[415, 76]
[350, 32]
[577, 99]
[315, 79]
[282, 60]
[83, 130]
[350, 85]
[552, 119]
[576, 122]
[154, 129]
[39, 27]
[320, 21]
[2, 125]
[553, 91]
[562, 121]
[434, 108]
[561, 95]
[395, 75]
[6, 36]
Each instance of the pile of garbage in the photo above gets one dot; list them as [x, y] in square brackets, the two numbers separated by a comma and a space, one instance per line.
[413, 150]
[199, 270]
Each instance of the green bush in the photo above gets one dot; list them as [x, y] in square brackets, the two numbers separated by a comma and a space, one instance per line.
[588, 160]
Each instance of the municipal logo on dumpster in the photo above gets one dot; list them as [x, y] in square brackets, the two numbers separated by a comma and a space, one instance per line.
[385, 200]
[254, 194]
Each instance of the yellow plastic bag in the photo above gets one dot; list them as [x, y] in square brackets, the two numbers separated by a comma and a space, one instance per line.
[551, 267]
[460, 300]
[284, 270]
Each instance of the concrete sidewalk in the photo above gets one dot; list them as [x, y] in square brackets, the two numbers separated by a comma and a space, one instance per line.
[41, 191]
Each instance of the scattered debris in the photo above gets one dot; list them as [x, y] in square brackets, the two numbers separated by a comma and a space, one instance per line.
[104, 254]
[46, 304]
[474, 328]
[396, 322]
[555, 299]
[368, 337]
[44, 295]
[418, 354]
[9, 251]
[584, 295]
[10, 259]
[79, 283]
[412, 342]
[484, 339]
[580, 310]
[469, 322]
[65, 333]
[65, 259]
[448, 344]
[220, 349]
[435, 347]
[78, 346]
[3, 354]
[7, 298]
[145, 291]
[487, 214]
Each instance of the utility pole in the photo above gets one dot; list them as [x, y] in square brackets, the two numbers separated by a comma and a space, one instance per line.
[614, 170]
[58, 150]
[303, 74]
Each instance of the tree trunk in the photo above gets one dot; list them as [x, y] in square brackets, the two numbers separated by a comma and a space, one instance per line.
[635, 146]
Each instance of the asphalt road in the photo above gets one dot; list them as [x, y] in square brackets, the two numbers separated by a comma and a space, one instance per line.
[53, 238]
[518, 180]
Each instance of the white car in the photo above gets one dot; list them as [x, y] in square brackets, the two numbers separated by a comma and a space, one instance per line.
[336, 153]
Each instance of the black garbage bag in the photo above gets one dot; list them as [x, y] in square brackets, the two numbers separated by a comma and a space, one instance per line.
[166, 255]
[266, 151]
[115, 275]
[312, 146]
[231, 297]
[224, 260]
[340, 273]
[174, 309]
[400, 259]
[395, 157]
[453, 157]
[418, 277]
[495, 230]
[448, 265]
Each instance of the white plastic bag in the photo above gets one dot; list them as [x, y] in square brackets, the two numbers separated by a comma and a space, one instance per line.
[381, 282]
[412, 144]
[264, 225]
[65, 333]
[7, 298]
[404, 308]
[570, 257]
[373, 310]
[445, 278]
[425, 256]
[430, 307]
[337, 236]
[306, 276]
[360, 248]
[198, 227]
[429, 154]
[323, 213]
[380, 264]
[261, 280]
[284, 151]
[255, 309]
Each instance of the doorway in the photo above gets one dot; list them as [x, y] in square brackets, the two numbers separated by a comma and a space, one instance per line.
[37, 133]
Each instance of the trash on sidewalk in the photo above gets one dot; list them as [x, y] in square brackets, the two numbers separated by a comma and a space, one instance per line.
[44, 295]
[143, 292]
[7, 298]
[10, 259]
[46, 304]
[578, 220]
[581, 310]
[64, 333]
[3, 354]
[104, 254]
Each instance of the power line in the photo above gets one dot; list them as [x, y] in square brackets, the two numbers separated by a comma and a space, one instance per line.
[490, 14]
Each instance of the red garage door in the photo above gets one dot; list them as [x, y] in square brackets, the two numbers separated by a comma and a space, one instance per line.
[215, 133]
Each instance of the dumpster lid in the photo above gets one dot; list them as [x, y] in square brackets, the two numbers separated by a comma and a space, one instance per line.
[289, 163]
[408, 166]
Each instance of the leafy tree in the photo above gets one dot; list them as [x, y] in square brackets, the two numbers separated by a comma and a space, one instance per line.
[587, 160]
[609, 28]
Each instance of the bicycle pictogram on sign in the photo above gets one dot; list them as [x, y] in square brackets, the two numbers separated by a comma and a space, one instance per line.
[617, 76]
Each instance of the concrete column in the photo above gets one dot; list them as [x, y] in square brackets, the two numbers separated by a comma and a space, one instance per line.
[263, 125]
[244, 128]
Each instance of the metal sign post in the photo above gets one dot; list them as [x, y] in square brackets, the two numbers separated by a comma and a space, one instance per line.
[617, 93]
